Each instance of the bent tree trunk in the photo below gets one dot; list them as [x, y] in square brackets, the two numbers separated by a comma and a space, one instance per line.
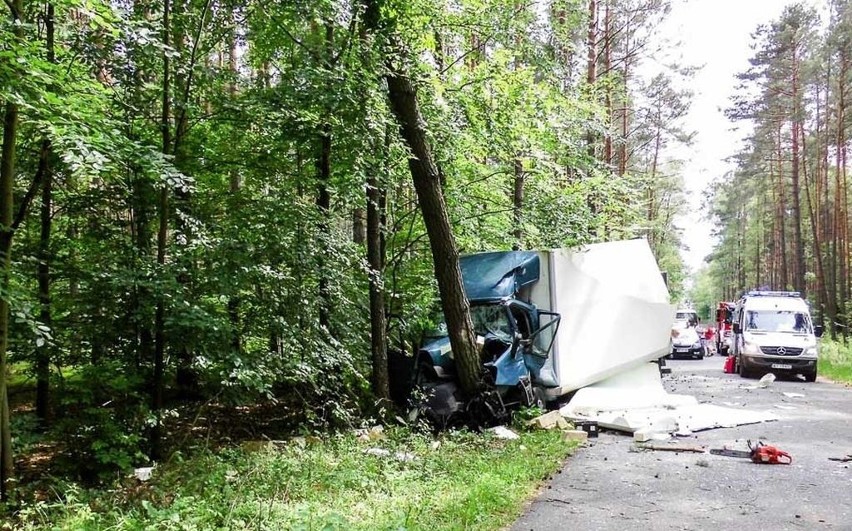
[427, 184]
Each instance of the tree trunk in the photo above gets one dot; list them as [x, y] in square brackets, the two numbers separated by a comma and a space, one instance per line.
[427, 184]
[323, 200]
[518, 204]
[592, 65]
[7, 180]
[798, 244]
[607, 31]
[234, 300]
[162, 240]
[43, 352]
[376, 258]
[359, 227]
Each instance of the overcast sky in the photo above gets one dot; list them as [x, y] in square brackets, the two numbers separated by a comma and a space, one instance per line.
[716, 34]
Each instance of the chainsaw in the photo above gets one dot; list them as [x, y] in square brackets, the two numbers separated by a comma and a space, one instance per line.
[759, 453]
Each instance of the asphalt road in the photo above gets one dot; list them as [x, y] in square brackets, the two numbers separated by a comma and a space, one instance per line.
[612, 485]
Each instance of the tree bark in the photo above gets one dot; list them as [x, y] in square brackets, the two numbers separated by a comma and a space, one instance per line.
[44, 257]
[376, 258]
[798, 245]
[162, 240]
[7, 180]
[323, 200]
[518, 204]
[427, 184]
[43, 351]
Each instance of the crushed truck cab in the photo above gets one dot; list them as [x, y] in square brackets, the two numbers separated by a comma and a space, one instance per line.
[551, 322]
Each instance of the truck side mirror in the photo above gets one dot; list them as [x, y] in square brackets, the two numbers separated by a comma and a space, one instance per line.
[736, 328]
[818, 330]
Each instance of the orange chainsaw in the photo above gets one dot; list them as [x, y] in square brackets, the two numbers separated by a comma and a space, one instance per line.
[759, 453]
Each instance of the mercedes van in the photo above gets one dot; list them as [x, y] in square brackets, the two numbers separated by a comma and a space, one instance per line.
[773, 332]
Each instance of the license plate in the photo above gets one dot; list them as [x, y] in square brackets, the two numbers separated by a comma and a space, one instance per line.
[781, 366]
[681, 350]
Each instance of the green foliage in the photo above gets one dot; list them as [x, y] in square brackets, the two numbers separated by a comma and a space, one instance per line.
[465, 480]
[251, 260]
[835, 360]
[103, 425]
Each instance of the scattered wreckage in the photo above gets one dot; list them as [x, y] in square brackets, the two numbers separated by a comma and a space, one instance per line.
[591, 324]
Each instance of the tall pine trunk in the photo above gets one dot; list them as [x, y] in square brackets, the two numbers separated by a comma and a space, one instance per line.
[7, 180]
[44, 256]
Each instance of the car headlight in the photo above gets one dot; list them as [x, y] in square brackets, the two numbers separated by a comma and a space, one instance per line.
[697, 344]
[811, 351]
[751, 348]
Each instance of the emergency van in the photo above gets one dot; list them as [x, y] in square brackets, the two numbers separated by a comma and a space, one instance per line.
[773, 332]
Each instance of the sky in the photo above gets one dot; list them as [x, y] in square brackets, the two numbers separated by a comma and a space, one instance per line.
[717, 35]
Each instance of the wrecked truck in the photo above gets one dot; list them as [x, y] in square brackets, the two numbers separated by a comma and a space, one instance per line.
[549, 323]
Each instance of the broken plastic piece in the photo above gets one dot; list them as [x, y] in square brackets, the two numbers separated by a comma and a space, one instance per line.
[143, 473]
[502, 432]
[767, 379]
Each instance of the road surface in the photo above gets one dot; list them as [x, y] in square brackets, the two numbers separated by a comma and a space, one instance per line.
[611, 485]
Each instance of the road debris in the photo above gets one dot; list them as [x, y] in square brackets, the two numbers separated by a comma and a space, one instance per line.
[502, 432]
[404, 457]
[377, 452]
[794, 395]
[636, 402]
[766, 381]
[846, 459]
[143, 473]
[575, 435]
[549, 421]
[673, 447]
[376, 433]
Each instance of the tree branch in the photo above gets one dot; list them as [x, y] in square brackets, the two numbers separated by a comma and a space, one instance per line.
[292, 37]
[35, 186]
[15, 14]
[484, 43]
[192, 58]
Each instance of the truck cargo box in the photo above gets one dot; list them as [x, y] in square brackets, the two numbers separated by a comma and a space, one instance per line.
[614, 307]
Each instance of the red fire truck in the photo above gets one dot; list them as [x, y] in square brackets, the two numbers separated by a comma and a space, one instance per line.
[724, 332]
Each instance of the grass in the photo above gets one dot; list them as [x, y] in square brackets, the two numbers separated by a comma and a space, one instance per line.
[460, 480]
[835, 360]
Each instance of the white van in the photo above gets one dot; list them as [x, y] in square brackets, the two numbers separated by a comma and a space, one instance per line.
[773, 332]
[685, 318]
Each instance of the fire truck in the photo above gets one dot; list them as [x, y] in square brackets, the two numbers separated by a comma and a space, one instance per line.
[724, 331]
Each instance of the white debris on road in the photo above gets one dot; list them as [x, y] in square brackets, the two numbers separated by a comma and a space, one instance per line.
[636, 402]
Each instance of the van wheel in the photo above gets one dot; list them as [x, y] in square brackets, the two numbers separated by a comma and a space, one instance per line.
[743, 372]
[810, 376]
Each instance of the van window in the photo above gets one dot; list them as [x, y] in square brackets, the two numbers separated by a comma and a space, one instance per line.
[691, 318]
[778, 321]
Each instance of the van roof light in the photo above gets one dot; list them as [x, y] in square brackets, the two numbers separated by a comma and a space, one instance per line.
[756, 293]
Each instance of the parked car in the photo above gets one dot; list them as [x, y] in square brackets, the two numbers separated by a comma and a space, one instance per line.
[686, 343]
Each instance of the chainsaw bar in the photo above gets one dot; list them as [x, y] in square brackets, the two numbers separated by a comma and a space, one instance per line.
[730, 453]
